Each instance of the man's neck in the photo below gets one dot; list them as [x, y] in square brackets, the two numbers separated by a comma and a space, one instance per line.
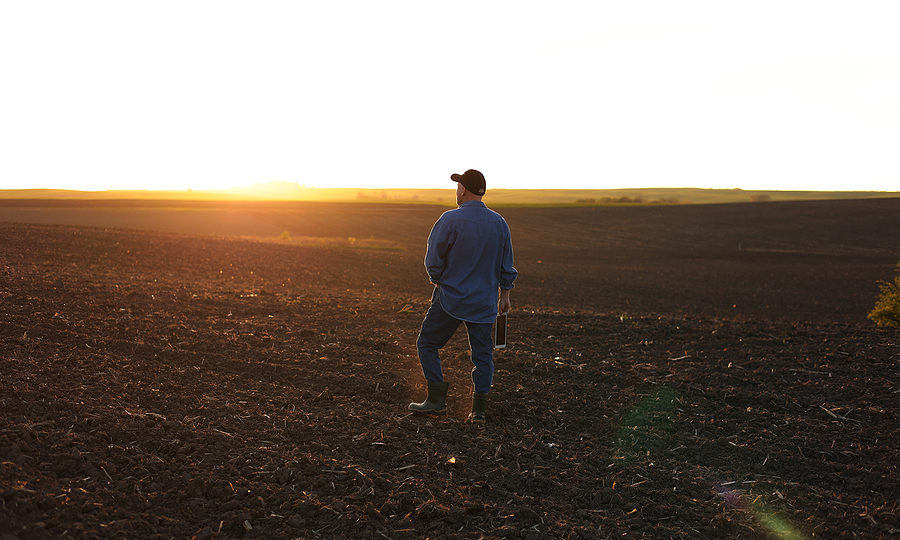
[469, 198]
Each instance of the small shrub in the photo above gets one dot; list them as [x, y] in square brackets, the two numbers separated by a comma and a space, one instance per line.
[887, 308]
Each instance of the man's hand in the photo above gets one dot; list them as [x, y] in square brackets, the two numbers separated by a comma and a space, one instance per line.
[504, 306]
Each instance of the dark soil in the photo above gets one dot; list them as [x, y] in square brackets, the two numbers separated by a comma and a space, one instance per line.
[680, 372]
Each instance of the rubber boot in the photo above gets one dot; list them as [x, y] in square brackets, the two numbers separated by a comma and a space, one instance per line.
[436, 402]
[479, 404]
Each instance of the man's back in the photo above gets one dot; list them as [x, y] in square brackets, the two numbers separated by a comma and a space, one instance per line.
[470, 257]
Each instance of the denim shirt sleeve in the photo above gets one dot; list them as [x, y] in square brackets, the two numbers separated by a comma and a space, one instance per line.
[508, 273]
[439, 242]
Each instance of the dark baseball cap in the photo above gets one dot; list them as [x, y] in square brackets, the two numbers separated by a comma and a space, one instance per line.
[471, 180]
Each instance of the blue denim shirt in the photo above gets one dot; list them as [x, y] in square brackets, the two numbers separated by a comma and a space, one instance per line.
[470, 257]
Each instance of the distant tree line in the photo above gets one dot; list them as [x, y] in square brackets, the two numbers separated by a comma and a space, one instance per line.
[626, 200]
[382, 195]
[371, 195]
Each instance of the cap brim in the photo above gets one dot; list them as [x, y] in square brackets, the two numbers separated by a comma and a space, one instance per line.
[456, 177]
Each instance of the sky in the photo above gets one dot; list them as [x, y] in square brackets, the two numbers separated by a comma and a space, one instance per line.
[788, 95]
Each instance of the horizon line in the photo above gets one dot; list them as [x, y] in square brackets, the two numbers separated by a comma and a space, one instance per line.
[297, 186]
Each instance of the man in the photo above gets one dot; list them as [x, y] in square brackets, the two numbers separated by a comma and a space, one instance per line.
[469, 259]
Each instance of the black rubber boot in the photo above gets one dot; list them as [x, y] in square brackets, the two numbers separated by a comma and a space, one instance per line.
[479, 404]
[436, 402]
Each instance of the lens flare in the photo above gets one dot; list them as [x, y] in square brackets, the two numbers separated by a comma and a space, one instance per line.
[649, 428]
[776, 525]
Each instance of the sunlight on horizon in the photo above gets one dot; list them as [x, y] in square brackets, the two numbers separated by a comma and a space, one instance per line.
[400, 94]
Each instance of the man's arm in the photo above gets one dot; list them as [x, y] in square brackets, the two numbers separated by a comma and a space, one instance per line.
[436, 254]
[508, 274]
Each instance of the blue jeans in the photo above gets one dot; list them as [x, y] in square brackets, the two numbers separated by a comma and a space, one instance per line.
[437, 329]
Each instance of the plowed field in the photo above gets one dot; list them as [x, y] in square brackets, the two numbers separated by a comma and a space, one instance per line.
[190, 370]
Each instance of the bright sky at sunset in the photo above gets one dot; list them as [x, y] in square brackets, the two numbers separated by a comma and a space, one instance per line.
[205, 94]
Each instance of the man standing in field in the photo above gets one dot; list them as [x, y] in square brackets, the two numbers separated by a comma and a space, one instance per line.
[469, 259]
